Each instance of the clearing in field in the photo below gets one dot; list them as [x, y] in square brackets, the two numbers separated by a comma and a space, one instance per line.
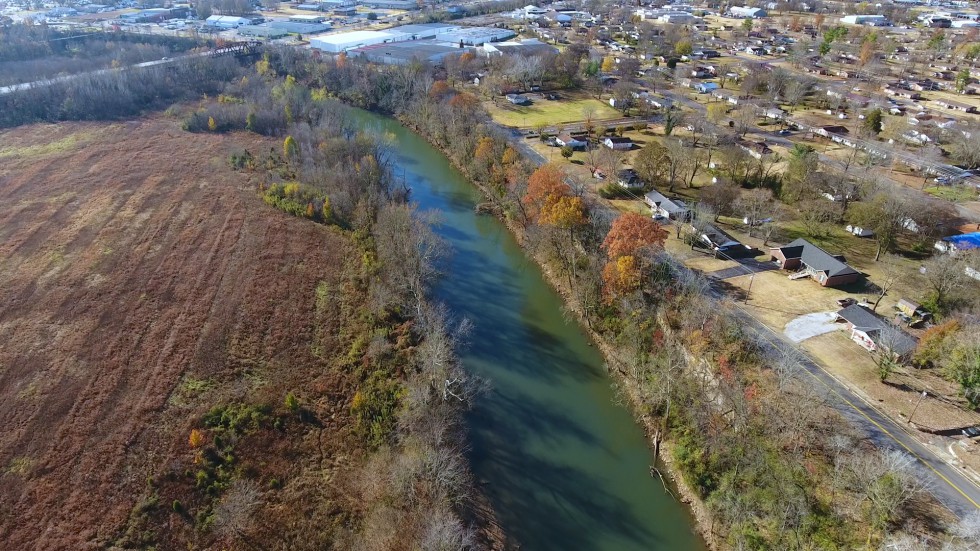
[543, 111]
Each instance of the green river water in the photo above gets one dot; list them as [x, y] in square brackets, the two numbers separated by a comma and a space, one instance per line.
[564, 466]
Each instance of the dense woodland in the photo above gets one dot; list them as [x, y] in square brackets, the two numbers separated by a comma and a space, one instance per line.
[775, 465]
[34, 52]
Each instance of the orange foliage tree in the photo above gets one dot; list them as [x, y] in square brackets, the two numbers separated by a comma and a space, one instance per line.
[630, 233]
[628, 236]
[439, 89]
[546, 185]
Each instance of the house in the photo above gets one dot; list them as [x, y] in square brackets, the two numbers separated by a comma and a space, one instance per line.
[619, 144]
[755, 50]
[901, 92]
[774, 113]
[664, 208]
[725, 95]
[723, 244]
[628, 179]
[705, 87]
[876, 334]
[575, 141]
[810, 260]
[955, 243]
[659, 102]
[518, 99]
[959, 106]
[755, 149]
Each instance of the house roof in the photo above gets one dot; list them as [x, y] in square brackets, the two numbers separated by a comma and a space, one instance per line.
[614, 139]
[656, 198]
[867, 321]
[965, 241]
[861, 317]
[626, 174]
[816, 258]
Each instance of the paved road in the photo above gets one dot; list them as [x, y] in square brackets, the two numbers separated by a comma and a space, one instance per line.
[947, 483]
[746, 266]
[950, 485]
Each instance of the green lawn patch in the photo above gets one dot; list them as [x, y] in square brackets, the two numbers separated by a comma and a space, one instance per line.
[956, 194]
[548, 112]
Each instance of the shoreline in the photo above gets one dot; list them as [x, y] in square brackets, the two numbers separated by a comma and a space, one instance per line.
[692, 503]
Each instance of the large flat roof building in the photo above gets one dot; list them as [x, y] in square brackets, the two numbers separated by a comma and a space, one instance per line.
[746, 12]
[405, 52]
[341, 42]
[873, 20]
[447, 35]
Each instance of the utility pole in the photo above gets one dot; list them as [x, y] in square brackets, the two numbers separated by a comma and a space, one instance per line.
[921, 396]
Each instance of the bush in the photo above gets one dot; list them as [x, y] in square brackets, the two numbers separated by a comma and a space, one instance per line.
[299, 200]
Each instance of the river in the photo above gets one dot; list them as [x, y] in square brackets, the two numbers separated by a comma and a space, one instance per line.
[564, 466]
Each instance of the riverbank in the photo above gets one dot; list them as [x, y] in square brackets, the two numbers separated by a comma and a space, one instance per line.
[627, 387]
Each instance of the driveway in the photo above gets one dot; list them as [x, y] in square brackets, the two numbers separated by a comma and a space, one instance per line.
[810, 325]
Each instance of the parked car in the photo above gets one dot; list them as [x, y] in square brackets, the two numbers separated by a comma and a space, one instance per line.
[845, 302]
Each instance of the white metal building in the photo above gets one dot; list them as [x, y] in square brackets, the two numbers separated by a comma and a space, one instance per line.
[863, 20]
[227, 21]
[746, 12]
[341, 42]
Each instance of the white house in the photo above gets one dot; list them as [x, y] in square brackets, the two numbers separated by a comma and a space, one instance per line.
[663, 208]
[619, 144]
[567, 139]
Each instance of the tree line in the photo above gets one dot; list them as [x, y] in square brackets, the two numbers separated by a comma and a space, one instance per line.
[414, 488]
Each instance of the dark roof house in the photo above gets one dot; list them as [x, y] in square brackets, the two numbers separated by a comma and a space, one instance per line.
[810, 260]
[874, 333]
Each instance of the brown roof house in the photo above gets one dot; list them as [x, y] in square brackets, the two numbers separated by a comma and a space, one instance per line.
[809, 260]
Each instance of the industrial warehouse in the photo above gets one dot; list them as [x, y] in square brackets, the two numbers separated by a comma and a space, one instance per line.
[400, 45]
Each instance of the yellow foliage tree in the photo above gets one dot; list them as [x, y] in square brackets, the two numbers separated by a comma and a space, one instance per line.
[289, 147]
[608, 64]
[563, 212]
[621, 276]
[212, 126]
[196, 439]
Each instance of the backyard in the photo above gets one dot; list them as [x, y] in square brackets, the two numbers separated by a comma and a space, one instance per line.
[570, 108]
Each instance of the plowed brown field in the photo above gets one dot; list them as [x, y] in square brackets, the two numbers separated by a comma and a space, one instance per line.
[134, 261]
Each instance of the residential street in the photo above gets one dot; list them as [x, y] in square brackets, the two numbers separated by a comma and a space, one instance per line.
[948, 484]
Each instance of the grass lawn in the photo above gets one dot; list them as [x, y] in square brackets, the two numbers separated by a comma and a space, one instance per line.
[568, 109]
[956, 194]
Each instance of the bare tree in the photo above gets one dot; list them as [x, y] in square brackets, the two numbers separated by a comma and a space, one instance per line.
[891, 272]
[886, 482]
[233, 515]
[945, 274]
[755, 206]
